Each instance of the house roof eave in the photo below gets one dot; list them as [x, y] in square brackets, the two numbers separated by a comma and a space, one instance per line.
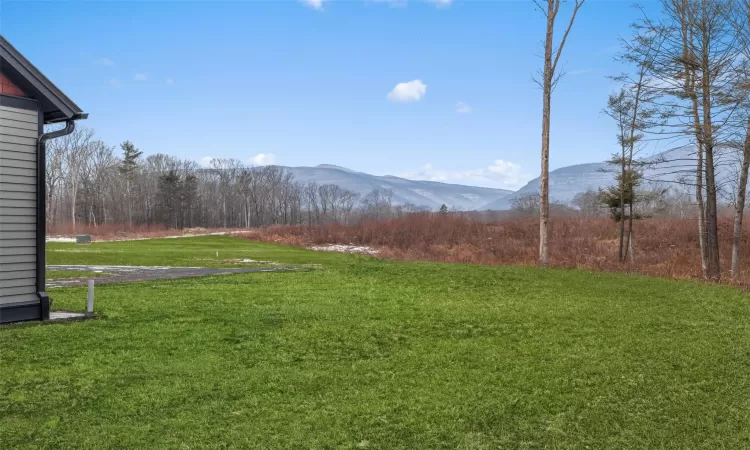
[56, 105]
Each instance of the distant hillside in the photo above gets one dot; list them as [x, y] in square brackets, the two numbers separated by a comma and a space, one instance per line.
[670, 166]
[422, 193]
[565, 182]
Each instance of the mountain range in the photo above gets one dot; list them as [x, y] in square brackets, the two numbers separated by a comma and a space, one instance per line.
[431, 194]
[674, 169]
[667, 168]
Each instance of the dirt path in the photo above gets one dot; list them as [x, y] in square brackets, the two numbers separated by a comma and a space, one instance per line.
[127, 274]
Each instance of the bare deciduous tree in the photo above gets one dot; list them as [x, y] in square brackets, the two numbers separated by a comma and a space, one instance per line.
[694, 71]
[741, 96]
[89, 183]
[549, 78]
[76, 149]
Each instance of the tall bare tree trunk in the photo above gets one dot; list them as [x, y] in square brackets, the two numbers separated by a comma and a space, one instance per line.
[687, 57]
[73, 199]
[551, 58]
[129, 203]
[630, 232]
[51, 218]
[631, 245]
[634, 125]
[546, 107]
[712, 229]
[739, 207]
[701, 211]
[622, 205]
[712, 226]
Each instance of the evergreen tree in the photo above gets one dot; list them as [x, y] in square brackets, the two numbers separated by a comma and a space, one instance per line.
[189, 199]
[130, 159]
[621, 196]
[632, 119]
[169, 198]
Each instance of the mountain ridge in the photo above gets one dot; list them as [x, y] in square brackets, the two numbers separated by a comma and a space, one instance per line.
[565, 182]
[430, 194]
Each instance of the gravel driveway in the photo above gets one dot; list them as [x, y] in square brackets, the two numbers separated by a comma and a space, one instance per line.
[127, 274]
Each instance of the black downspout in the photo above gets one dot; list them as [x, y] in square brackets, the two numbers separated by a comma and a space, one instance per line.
[41, 212]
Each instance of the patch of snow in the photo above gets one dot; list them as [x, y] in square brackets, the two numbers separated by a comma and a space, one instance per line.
[244, 260]
[61, 239]
[346, 249]
[473, 197]
[428, 195]
[176, 236]
[65, 315]
[115, 268]
[182, 236]
[73, 250]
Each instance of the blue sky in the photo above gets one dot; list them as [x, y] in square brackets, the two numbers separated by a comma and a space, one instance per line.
[304, 83]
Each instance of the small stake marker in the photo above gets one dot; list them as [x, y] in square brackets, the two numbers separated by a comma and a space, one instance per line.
[90, 302]
[217, 254]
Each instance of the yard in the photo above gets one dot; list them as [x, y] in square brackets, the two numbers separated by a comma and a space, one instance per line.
[356, 352]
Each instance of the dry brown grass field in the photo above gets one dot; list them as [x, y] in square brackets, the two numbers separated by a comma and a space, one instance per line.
[663, 247]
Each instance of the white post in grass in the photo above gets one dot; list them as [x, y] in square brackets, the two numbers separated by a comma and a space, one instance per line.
[90, 302]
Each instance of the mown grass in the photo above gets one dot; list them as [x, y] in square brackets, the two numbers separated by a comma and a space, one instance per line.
[366, 353]
[183, 252]
[63, 274]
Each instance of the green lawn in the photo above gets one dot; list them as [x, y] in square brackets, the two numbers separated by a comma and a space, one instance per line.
[184, 252]
[61, 274]
[364, 353]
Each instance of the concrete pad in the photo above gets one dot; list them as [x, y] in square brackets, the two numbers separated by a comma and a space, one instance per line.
[65, 315]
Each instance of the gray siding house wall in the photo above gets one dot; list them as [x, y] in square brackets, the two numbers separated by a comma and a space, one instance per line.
[19, 134]
[28, 101]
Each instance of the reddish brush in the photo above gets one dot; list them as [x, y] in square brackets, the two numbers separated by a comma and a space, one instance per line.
[663, 247]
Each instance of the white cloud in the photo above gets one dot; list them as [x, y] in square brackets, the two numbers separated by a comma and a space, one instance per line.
[463, 108]
[500, 174]
[106, 62]
[263, 159]
[205, 162]
[441, 3]
[170, 81]
[412, 91]
[139, 77]
[314, 4]
[115, 83]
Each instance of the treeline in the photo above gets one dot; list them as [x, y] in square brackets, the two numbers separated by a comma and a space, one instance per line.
[687, 80]
[94, 183]
[653, 202]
